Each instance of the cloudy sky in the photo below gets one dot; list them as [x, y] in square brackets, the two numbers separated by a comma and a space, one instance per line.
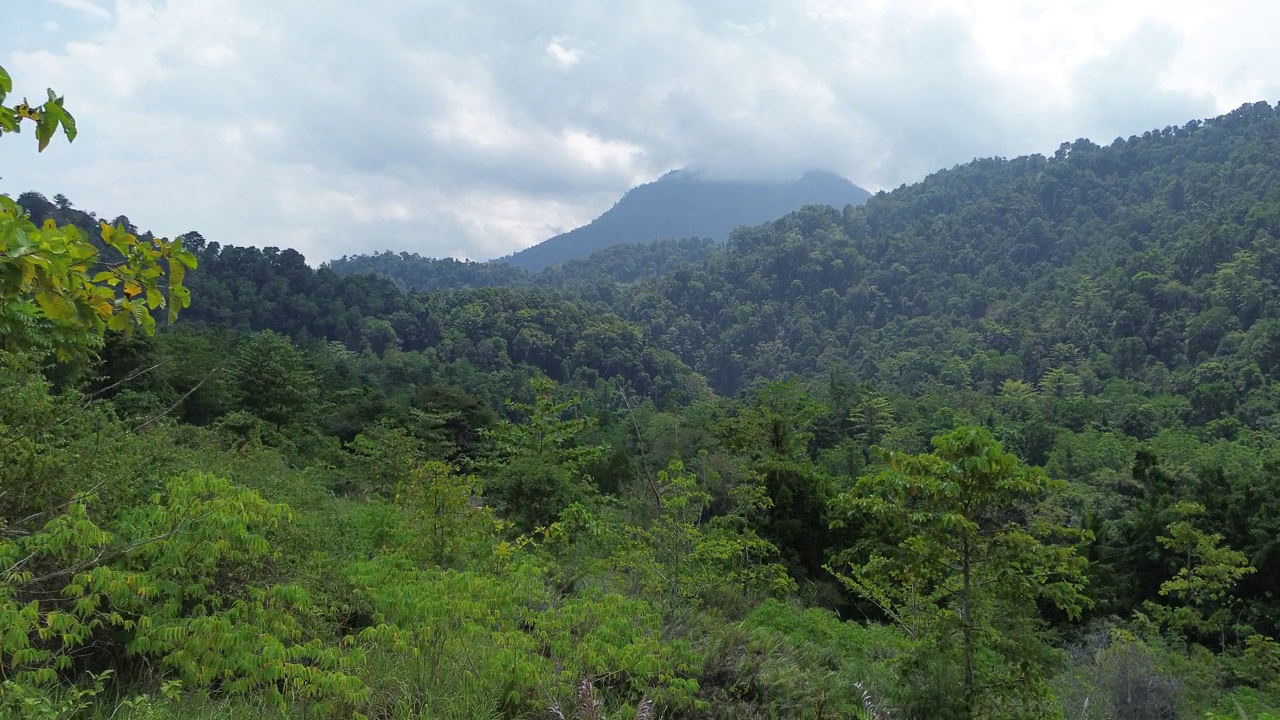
[473, 128]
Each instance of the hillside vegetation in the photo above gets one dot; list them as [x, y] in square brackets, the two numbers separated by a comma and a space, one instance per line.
[1000, 444]
[624, 263]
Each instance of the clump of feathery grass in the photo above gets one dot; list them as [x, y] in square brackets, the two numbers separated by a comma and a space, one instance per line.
[588, 707]
[871, 711]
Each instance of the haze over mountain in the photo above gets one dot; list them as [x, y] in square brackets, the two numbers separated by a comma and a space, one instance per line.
[487, 152]
[684, 204]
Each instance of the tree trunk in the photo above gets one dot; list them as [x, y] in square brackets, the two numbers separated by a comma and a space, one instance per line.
[966, 620]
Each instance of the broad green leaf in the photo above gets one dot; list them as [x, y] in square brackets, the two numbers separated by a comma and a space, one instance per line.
[187, 257]
[28, 273]
[45, 128]
[68, 125]
[6, 83]
[177, 272]
[55, 306]
[21, 244]
[179, 298]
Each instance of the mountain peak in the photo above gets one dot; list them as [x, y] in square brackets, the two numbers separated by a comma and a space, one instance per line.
[689, 203]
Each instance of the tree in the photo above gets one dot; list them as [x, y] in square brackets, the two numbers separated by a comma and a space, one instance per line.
[975, 552]
[444, 512]
[57, 292]
[872, 417]
[272, 379]
[686, 558]
[1139, 558]
[775, 433]
[167, 587]
[1203, 583]
[540, 467]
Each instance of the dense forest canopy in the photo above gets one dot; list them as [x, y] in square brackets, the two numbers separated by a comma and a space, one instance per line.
[622, 263]
[999, 444]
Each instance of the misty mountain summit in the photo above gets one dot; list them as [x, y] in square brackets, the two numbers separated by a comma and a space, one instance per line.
[684, 204]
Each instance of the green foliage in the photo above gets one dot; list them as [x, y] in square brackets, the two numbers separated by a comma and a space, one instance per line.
[47, 117]
[677, 559]
[783, 661]
[1116, 673]
[271, 380]
[1202, 587]
[871, 417]
[775, 433]
[528, 647]
[539, 465]
[382, 458]
[968, 551]
[174, 585]
[24, 700]
[445, 519]
[56, 290]
[54, 277]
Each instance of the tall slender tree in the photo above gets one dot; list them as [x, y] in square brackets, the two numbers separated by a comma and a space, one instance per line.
[969, 551]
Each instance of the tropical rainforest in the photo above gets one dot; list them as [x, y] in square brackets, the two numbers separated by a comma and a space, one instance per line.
[999, 444]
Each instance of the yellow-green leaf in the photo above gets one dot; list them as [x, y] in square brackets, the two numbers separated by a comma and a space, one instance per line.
[55, 306]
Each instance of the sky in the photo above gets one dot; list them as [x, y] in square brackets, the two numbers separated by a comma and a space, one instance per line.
[474, 128]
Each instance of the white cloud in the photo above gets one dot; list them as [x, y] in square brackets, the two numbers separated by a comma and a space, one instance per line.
[475, 128]
[562, 55]
[88, 7]
[598, 153]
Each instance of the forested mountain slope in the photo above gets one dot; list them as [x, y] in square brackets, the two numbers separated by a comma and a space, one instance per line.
[492, 338]
[685, 204]
[1143, 248]
[1143, 259]
[624, 263]
[486, 330]
[1158, 251]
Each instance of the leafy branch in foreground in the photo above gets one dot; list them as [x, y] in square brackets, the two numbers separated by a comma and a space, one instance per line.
[57, 291]
[47, 117]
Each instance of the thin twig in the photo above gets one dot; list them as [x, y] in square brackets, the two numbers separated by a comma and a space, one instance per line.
[644, 458]
[169, 409]
[104, 556]
[129, 378]
[74, 498]
[81, 405]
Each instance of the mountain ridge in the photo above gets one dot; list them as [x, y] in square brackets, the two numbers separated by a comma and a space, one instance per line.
[683, 204]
